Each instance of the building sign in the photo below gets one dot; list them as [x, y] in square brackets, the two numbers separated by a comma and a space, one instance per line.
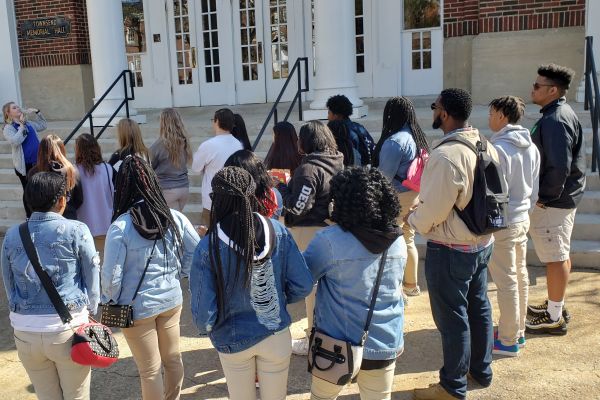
[45, 28]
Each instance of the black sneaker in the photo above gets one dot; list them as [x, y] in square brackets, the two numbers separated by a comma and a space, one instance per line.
[544, 324]
[536, 310]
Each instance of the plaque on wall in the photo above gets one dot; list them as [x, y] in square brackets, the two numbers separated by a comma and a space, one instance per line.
[45, 28]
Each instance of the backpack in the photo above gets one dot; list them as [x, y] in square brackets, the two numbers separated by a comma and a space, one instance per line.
[487, 211]
[415, 171]
[363, 143]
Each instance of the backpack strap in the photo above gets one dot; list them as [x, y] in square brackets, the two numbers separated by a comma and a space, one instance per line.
[481, 145]
[374, 296]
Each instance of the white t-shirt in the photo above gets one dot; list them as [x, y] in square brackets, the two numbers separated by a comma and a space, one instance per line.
[210, 159]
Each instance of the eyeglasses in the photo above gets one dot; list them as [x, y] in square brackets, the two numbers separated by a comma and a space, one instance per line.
[536, 85]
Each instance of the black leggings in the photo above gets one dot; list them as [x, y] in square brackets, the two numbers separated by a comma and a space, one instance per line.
[23, 179]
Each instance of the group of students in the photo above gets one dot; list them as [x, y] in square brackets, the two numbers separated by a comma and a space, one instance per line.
[342, 205]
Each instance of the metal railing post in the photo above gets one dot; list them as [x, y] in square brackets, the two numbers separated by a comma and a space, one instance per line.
[299, 92]
[126, 93]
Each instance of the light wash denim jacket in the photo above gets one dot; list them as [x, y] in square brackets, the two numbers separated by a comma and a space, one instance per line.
[346, 271]
[125, 256]
[66, 252]
[239, 327]
[395, 157]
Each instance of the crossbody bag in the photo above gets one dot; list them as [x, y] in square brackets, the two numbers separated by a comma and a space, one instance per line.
[338, 361]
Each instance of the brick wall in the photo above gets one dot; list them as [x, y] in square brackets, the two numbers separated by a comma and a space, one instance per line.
[472, 17]
[70, 50]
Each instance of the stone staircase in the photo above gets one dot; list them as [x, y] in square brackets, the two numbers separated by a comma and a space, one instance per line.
[585, 248]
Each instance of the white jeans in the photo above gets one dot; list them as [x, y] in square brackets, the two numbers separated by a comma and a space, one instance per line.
[176, 198]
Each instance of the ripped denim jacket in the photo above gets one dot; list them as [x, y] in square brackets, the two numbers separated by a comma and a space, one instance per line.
[250, 312]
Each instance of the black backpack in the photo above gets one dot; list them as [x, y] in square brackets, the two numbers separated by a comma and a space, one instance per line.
[487, 211]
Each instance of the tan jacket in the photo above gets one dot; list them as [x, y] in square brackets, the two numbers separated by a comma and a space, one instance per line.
[448, 180]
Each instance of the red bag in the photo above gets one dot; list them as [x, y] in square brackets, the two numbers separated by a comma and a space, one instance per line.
[94, 345]
[415, 170]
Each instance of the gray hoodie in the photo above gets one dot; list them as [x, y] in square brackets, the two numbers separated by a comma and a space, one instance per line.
[520, 161]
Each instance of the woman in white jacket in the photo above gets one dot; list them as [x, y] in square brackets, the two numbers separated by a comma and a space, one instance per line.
[22, 136]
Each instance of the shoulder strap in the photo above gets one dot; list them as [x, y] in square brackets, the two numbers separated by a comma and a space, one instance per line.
[110, 185]
[374, 296]
[57, 302]
[144, 273]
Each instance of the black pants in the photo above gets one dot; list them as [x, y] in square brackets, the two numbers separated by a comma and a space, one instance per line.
[23, 179]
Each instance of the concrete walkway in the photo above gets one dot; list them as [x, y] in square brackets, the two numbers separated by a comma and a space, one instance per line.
[566, 367]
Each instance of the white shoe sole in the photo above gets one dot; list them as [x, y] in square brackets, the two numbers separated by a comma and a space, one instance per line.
[505, 353]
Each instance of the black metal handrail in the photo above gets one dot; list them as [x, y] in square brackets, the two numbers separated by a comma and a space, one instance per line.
[592, 99]
[297, 97]
[126, 99]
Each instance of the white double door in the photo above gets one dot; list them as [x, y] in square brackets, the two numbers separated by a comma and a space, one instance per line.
[236, 52]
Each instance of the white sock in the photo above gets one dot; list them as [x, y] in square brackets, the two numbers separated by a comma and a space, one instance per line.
[555, 309]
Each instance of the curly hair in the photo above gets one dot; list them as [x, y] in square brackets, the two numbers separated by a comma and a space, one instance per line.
[559, 75]
[457, 103]
[511, 107]
[339, 105]
[363, 197]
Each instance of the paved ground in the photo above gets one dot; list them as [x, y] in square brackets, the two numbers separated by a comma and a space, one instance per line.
[549, 368]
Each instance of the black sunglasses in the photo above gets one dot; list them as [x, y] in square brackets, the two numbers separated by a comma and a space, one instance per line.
[434, 107]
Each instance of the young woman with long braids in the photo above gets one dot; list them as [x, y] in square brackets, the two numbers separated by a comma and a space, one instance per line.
[344, 259]
[148, 236]
[52, 157]
[402, 140]
[98, 191]
[245, 272]
[169, 156]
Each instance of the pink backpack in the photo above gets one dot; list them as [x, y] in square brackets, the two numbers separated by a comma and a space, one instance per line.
[415, 170]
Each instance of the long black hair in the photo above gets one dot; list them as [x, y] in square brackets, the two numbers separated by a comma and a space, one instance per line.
[340, 132]
[315, 137]
[137, 183]
[240, 133]
[248, 161]
[233, 196]
[399, 111]
[284, 153]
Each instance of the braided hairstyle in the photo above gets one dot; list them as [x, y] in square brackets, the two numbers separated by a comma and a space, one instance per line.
[44, 189]
[233, 196]
[363, 198]
[136, 181]
[399, 111]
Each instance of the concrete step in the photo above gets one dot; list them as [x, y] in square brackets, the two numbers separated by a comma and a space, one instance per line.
[590, 204]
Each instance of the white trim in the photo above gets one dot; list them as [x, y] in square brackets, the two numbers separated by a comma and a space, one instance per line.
[225, 239]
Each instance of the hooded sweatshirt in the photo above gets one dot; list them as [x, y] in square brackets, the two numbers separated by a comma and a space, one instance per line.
[307, 196]
[520, 161]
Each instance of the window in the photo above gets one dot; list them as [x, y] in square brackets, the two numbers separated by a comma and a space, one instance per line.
[134, 63]
[279, 38]
[183, 47]
[249, 43]
[419, 14]
[135, 37]
[421, 50]
[360, 35]
[210, 36]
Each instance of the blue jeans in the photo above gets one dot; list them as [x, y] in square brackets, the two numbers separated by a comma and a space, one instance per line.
[457, 284]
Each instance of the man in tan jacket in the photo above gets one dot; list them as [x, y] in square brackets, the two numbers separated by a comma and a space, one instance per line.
[457, 259]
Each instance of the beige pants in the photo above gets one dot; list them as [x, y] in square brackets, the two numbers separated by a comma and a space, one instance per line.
[176, 198]
[373, 385]
[154, 342]
[550, 231]
[407, 200]
[269, 360]
[508, 267]
[99, 242]
[47, 360]
[302, 236]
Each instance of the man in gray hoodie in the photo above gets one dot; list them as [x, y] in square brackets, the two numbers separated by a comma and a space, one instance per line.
[520, 161]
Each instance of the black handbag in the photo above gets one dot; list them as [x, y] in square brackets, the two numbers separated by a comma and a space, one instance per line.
[338, 361]
[93, 343]
[121, 315]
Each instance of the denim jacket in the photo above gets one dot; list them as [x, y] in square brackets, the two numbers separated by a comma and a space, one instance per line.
[345, 271]
[397, 153]
[125, 256]
[241, 324]
[66, 252]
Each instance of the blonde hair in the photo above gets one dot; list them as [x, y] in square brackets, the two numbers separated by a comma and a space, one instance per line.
[174, 137]
[5, 110]
[52, 149]
[130, 138]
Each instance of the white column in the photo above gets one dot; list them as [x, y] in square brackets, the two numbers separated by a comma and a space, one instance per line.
[335, 57]
[592, 28]
[107, 45]
[10, 89]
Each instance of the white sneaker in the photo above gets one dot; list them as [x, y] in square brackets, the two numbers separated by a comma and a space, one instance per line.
[300, 346]
[415, 291]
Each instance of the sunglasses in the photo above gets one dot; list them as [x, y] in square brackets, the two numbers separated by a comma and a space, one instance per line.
[434, 107]
[536, 85]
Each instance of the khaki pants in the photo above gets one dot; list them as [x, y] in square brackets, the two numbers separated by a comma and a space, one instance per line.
[302, 236]
[269, 360]
[176, 198]
[99, 242]
[373, 385]
[154, 342]
[508, 267]
[407, 200]
[47, 360]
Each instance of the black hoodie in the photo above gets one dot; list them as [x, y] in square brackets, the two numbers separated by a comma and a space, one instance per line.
[307, 196]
